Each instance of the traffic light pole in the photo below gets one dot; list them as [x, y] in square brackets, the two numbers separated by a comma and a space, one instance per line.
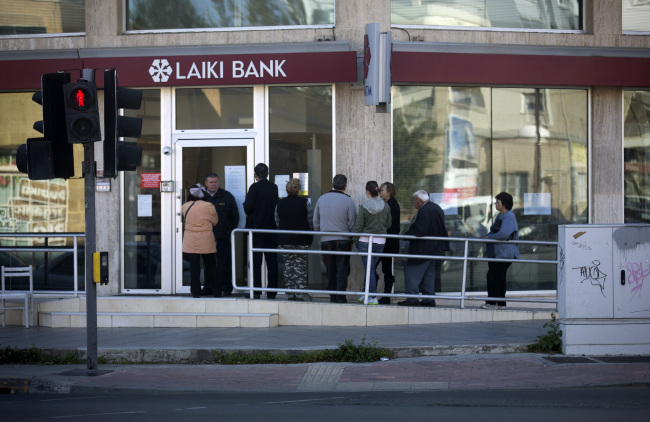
[91, 289]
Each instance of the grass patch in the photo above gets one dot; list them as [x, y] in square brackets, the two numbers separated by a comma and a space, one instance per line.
[35, 356]
[549, 342]
[346, 352]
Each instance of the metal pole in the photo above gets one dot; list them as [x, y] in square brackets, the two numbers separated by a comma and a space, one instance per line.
[91, 292]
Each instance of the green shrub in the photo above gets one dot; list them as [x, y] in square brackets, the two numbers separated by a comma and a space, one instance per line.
[35, 356]
[549, 342]
[346, 352]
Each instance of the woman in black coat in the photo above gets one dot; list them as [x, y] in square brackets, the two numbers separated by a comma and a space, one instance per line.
[387, 193]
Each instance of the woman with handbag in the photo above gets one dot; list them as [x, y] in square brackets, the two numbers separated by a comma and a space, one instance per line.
[198, 240]
[504, 228]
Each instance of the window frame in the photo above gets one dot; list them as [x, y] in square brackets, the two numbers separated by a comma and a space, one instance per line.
[494, 29]
[126, 31]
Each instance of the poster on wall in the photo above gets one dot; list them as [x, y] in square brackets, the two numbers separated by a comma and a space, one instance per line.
[537, 204]
[304, 183]
[235, 183]
[281, 182]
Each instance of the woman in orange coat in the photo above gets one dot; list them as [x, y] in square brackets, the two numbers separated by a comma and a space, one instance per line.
[198, 240]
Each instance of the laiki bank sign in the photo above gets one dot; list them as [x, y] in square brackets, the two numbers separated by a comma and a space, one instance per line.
[154, 68]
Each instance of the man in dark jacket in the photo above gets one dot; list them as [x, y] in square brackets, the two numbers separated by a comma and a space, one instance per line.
[259, 206]
[419, 273]
[226, 207]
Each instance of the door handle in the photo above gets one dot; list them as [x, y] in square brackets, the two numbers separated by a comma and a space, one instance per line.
[622, 277]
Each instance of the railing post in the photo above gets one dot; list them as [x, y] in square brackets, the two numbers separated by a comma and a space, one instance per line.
[464, 283]
[233, 273]
[75, 276]
[250, 264]
[368, 269]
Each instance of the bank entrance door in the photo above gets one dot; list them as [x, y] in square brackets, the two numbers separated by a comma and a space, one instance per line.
[232, 160]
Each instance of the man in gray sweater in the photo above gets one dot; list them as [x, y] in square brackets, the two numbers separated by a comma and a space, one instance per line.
[335, 212]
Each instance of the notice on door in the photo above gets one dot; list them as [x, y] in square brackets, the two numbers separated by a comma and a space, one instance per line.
[235, 183]
[145, 206]
[150, 181]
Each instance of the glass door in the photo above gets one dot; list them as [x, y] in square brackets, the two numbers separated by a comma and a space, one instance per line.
[196, 158]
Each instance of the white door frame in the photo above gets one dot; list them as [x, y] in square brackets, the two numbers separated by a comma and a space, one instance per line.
[197, 140]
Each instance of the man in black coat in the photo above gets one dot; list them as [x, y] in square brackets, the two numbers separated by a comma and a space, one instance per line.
[259, 206]
[419, 273]
[228, 214]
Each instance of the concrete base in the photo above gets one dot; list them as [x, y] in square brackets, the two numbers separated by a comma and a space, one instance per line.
[127, 311]
[599, 337]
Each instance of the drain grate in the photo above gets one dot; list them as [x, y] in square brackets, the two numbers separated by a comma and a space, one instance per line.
[569, 359]
[623, 359]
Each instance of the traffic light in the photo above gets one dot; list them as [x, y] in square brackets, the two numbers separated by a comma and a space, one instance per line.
[81, 113]
[120, 155]
[52, 156]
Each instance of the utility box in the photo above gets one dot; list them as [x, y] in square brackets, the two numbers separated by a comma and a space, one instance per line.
[603, 308]
[100, 267]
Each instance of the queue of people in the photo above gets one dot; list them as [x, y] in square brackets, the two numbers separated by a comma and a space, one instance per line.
[208, 230]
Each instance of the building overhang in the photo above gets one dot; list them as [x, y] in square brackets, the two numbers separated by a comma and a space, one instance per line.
[481, 64]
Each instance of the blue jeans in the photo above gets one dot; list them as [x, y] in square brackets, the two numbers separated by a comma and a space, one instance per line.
[376, 248]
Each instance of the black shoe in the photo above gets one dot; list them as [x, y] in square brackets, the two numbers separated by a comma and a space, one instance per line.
[341, 299]
[217, 295]
[196, 296]
[333, 299]
[206, 292]
[384, 301]
[270, 297]
[428, 304]
[226, 294]
[408, 303]
[256, 296]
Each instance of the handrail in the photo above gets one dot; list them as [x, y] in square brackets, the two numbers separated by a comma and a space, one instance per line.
[74, 249]
[465, 258]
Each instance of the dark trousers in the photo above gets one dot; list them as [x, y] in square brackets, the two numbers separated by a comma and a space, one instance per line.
[224, 265]
[265, 241]
[210, 269]
[496, 281]
[338, 266]
[420, 277]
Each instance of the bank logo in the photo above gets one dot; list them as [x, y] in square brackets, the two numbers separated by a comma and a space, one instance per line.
[160, 70]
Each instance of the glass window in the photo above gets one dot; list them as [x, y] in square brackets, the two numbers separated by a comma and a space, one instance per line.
[194, 14]
[636, 156]
[636, 15]
[464, 145]
[515, 14]
[300, 145]
[142, 233]
[214, 108]
[24, 17]
[30, 206]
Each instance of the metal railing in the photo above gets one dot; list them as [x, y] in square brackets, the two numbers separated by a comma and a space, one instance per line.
[46, 249]
[462, 297]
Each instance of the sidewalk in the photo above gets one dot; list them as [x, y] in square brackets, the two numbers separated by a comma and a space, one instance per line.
[432, 357]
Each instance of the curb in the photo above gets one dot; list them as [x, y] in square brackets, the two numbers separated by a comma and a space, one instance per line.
[206, 356]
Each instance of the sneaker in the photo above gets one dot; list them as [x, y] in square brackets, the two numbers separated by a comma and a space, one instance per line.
[488, 306]
[372, 301]
[291, 296]
[501, 307]
[304, 297]
[360, 299]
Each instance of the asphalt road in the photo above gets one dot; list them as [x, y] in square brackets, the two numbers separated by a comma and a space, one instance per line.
[630, 404]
